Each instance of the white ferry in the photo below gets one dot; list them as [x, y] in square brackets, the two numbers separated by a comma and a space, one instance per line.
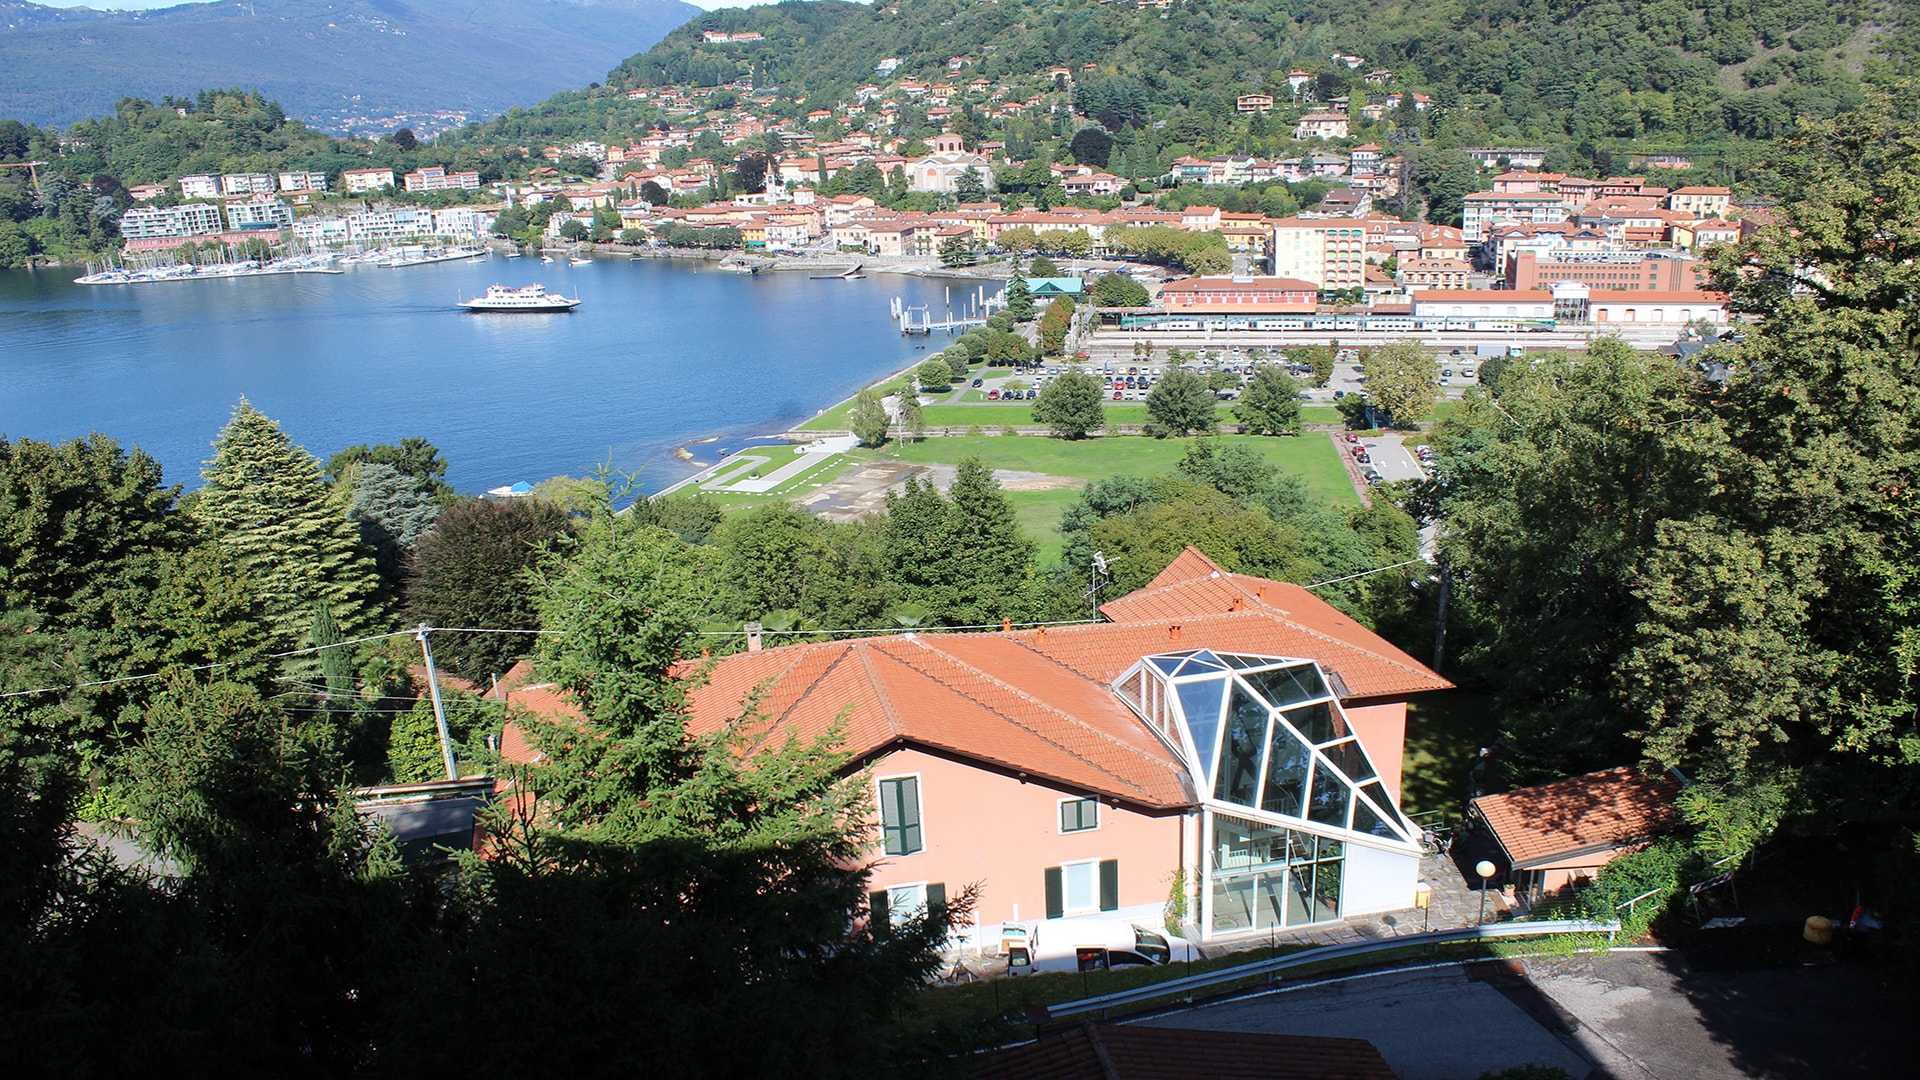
[532, 298]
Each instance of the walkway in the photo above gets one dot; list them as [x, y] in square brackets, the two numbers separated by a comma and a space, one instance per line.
[805, 458]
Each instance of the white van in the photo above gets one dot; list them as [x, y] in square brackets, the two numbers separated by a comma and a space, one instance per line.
[1097, 944]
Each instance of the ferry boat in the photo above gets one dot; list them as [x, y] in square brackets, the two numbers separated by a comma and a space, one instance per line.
[531, 298]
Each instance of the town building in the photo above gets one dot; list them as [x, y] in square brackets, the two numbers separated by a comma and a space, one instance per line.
[199, 186]
[258, 214]
[1321, 125]
[1419, 273]
[437, 178]
[1701, 202]
[240, 185]
[1616, 270]
[171, 222]
[1481, 304]
[1557, 835]
[1329, 252]
[943, 169]
[1255, 103]
[303, 181]
[1482, 209]
[1237, 735]
[357, 181]
[1515, 157]
[1242, 293]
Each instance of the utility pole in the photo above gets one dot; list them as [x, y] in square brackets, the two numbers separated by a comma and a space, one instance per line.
[1440, 621]
[439, 710]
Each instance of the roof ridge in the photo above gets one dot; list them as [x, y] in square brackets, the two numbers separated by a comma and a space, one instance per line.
[879, 689]
[1414, 667]
[1069, 718]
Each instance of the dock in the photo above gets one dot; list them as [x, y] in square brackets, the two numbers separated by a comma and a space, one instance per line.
[920, 319]
[848, 274]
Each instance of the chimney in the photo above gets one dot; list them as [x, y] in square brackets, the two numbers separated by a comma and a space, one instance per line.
[753, 637]
[1239, 604]
[1006, 625]
[1041, 638]
[1173, 632]
[1260, 592]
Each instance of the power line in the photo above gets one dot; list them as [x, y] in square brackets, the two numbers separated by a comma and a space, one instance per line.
[1363, 573]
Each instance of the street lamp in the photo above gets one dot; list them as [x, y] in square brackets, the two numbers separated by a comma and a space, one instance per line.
[1486, 870]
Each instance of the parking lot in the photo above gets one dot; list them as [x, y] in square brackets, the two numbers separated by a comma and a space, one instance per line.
[1382, 459]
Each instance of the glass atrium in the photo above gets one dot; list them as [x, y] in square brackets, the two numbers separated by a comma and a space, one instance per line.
[1297, 827]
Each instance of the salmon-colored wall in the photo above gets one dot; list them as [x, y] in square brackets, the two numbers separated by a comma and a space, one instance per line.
[980, 826]
[1383, 731]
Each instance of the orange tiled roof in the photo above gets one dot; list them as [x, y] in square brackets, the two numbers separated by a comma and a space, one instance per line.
[1286, 619]
[1593, 813]
[983, 696]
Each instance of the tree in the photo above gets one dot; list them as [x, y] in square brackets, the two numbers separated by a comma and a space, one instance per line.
[1055, 323]
[992, 556]
[404, 141]
[934, 376]
[1318, 357]
[265, 502]
[1270, 403]
[1043, 267]
[1071, 405]
[573, 230]
[956, 251]
[392, 511]
[750, 173]
[1091, 146]
[1019, 297]
[907, 413]
[868, 418]
[1180, 404]
[469, 570]
[1401, 381]
[1117, 290]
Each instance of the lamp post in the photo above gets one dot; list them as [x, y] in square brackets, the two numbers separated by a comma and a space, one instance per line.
[1486, 871]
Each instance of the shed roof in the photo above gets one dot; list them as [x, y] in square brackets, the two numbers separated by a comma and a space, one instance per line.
[1594, 813]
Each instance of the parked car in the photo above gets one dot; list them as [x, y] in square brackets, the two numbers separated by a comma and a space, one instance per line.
[1361, 457]
[975, 382]
[1032, 393]
[1098, 944]
[993, 395]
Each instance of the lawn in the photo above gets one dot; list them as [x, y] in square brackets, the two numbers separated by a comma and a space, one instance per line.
[1312, 457]
[826, 467]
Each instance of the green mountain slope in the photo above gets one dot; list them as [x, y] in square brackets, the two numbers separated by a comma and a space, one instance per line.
[343, 64]
[1681, 70]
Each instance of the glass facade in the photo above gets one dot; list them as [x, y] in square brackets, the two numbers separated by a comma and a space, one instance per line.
[1285, 783]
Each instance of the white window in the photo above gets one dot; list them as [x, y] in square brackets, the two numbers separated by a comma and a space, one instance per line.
[1082, 886]
[906, 903]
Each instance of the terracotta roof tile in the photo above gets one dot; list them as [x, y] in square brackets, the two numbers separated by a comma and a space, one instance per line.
[1193, 587]
[1591, 813]
[1136, 1052]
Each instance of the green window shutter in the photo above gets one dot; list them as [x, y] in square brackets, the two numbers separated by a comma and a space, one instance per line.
[900, 815]
[877, 910]
[910, 814]
[1109, 884]
[937, 900]
[1056, 894]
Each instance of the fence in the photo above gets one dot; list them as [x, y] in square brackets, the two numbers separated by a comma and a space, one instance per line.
[1271, 968]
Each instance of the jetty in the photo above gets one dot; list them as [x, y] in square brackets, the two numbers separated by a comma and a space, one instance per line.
[919, 319]
[849, 274]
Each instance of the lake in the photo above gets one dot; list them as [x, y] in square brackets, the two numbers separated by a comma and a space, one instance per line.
[661, 354]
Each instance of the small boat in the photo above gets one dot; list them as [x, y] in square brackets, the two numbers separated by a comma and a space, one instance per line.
[546, 258]
[515, 255]
[576, 261]
[527, 299]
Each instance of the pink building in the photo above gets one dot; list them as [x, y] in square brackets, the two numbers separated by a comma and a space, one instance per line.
[1234, 734]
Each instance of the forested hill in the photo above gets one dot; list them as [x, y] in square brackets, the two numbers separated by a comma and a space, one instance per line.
[1533, 69]
[341, 64]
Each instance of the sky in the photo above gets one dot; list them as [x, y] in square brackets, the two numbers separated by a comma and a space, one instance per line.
[143, 5]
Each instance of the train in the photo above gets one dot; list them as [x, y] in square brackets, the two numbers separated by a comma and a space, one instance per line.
[1349, 322]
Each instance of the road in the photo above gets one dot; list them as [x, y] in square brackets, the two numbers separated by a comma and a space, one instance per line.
[1633, 1016]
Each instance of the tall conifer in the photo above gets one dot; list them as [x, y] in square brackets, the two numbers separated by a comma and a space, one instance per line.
[266, 503]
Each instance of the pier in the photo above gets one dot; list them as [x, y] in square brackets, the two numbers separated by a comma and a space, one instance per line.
[920, 319]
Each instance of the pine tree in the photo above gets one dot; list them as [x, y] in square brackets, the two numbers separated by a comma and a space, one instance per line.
[994, 556]
[265, 502]
[1019, 297]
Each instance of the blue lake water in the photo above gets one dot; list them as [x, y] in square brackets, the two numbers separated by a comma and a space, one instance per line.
[660, 354]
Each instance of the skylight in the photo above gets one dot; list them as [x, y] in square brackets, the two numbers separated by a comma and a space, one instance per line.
[1265, 734]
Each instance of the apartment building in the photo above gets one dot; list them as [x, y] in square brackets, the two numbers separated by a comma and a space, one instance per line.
[1482, 208]
[187, 219]
[241, 185]
[258, 214]
[303, 181]
[357, 181]
[437, 178]
[1330, 252]
[200, 186]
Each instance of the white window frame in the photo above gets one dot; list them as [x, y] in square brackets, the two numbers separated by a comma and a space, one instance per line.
[897, 913]
[1092, 907]
[1059, 815]
[920, 810]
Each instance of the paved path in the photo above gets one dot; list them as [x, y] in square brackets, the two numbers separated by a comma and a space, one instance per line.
[809, 455]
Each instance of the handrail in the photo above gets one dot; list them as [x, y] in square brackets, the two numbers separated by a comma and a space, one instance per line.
[1271, 967]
